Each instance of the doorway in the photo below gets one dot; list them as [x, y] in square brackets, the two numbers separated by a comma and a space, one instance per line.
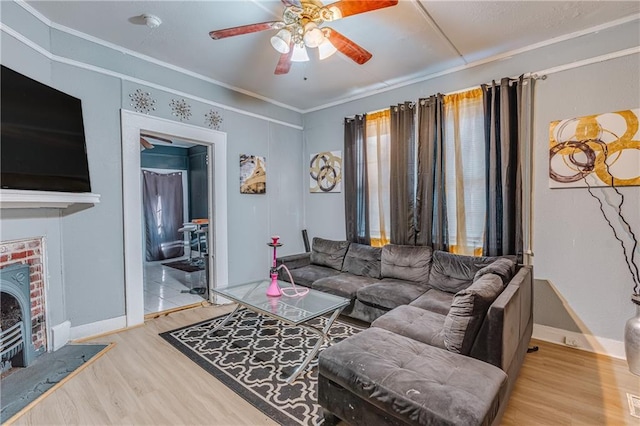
[174, 196]
[133, 124]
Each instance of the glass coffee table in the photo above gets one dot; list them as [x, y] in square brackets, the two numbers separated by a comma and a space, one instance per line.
[290, 310]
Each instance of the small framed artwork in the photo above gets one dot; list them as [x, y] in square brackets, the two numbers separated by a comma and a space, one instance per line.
[253, 174]
[325, 172]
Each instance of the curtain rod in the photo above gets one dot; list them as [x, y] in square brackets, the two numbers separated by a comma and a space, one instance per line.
[534, 76]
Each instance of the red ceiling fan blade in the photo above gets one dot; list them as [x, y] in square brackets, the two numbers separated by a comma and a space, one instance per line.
[353, 7]
[284, 63]
[155, 137]
[145, 143]
[347, 47]
[245, 29]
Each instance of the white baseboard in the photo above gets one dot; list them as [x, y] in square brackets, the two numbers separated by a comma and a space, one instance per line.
[60, 334]
[99, 327]
[585, 342]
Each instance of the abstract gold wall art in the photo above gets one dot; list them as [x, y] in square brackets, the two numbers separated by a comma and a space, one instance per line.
[595, 150]
[325, 172]
[253, 174]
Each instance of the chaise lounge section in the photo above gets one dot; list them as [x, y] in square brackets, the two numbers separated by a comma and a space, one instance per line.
[447, 339]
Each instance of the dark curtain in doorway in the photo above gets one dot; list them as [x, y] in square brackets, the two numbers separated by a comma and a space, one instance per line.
[162, 197]
[431, 202]
[403, 174]
[356, 192]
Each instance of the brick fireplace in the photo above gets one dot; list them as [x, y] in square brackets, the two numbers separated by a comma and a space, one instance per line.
[30, 252]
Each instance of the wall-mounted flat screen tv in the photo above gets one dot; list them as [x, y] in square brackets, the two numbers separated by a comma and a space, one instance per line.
[42, 143]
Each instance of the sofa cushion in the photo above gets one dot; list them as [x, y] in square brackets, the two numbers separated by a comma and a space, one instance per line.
[454, 272]
[366, 313]
[418, 384]
[328, 253]
[362, 260]
[307, 275]
[343, 284]
[410, 263]
[434, 300]
[504, 268]
[415, 323]
[467, 312]
[389, 293]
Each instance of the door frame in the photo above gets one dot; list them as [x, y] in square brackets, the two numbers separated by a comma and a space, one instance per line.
[132, 124]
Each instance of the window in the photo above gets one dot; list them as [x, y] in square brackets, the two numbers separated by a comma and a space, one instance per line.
[464, 180]
[465, 171]
[378, 164]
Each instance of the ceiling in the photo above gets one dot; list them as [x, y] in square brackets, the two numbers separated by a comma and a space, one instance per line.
[408, 41]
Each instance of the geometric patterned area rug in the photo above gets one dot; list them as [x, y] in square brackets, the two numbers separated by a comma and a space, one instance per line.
[253, 354]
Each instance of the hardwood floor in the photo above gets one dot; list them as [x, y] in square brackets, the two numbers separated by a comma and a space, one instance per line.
[564, 386]
[143, 380]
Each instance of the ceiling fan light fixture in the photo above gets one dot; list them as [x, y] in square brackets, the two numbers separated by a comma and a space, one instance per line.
[313, 35]
[326, 49]
[281, 41]
[299, 53]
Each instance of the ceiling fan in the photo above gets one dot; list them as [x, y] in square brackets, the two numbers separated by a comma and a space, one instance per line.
[144, 140]
[301, 28]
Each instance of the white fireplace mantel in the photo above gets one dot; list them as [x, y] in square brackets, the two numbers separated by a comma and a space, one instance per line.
[20, 199]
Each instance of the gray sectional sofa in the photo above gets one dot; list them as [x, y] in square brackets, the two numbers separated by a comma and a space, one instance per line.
[447, 339]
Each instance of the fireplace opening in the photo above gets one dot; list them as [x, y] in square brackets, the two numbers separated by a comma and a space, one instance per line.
[16, 343]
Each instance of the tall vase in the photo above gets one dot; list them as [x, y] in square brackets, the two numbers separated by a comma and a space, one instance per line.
[632, 338]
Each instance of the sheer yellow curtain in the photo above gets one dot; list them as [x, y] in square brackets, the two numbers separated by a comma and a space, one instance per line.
[465, 171]
[378, 155]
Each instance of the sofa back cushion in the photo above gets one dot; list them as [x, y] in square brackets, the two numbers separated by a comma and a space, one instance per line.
[467, 312]
[454, 272]
[409, 263]
[505, 268]
[328, 253]
[362, 260]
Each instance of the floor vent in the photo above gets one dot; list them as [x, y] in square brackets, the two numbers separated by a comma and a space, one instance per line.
[634, 405]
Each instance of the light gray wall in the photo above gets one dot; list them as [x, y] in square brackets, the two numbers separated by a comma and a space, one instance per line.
[92, 252]
[583, 282]
[85, 245]
[575, 250]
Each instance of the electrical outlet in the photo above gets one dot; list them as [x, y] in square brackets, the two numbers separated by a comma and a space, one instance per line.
[571, 341]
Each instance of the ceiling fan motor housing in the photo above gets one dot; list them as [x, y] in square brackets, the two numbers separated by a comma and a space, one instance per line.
[303, 23]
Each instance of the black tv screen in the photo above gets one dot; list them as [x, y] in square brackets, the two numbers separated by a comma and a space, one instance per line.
[42, 143]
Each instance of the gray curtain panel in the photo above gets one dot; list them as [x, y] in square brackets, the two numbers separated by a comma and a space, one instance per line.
[431, 203]
[505, 112]
[403, 174]
[356, 193]
[162, 197]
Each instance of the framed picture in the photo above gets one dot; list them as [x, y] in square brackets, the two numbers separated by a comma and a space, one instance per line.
[595, 150]
[325, 172]
[253, 174]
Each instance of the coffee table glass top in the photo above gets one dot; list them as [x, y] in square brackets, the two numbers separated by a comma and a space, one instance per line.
[292, 309]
